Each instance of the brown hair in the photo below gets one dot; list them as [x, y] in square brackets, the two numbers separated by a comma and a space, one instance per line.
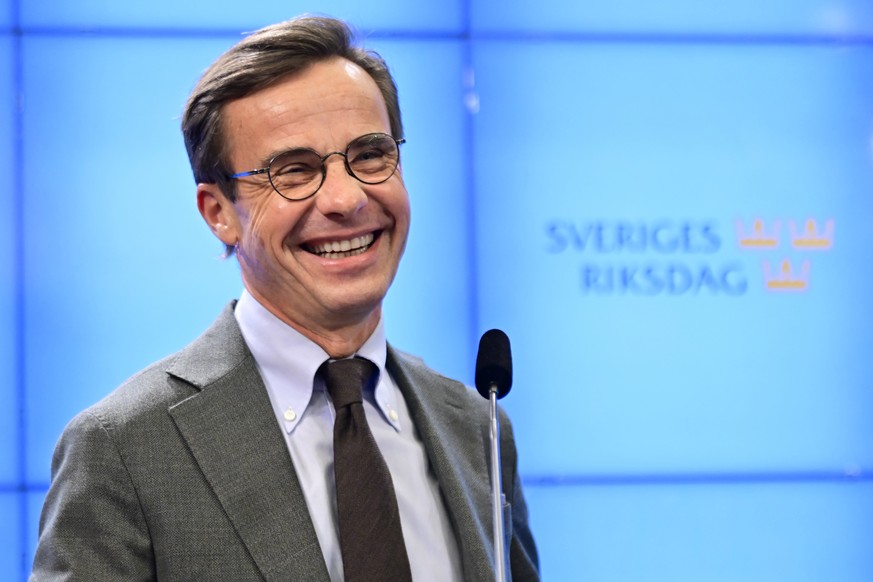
[262, 59]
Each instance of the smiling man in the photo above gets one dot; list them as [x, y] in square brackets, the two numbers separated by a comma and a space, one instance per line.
[321, 255]
[290, 441]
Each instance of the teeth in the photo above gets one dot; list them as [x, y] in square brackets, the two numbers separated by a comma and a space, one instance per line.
[344, 248]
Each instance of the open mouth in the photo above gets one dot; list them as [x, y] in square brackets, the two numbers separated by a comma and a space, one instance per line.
[340, 249]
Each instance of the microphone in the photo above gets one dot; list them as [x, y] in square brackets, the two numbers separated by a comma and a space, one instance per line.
[493, 380]
[494, 364]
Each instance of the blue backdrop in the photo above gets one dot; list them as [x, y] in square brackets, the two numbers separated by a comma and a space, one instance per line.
[667, 207]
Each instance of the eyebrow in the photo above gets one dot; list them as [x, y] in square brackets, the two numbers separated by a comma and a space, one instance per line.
[264, 163]
[270, 156]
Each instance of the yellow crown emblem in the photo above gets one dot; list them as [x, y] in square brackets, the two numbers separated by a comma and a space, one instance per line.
[786, 279]
[759, 238]
[810, 238]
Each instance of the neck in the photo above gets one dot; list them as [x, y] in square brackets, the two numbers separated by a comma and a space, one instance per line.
[340, 342]
[341, 336]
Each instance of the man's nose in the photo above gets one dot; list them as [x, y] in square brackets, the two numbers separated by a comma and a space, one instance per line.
[341, 193]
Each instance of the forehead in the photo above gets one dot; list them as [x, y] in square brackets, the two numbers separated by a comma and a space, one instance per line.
[324, 105]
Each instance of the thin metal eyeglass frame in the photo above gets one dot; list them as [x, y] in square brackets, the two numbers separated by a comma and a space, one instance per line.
[323, 158]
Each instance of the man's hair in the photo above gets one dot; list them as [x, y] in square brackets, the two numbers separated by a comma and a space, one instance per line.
[262, 59]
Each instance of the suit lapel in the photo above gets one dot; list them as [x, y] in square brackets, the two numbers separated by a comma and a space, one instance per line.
[457, 443]
[233, 435]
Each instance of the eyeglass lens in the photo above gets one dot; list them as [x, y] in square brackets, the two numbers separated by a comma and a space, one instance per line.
[299, 173]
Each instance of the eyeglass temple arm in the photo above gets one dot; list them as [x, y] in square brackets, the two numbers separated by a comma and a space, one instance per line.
[249, 173]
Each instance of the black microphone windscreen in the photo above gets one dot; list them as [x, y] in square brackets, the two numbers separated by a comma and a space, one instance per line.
[494, 364]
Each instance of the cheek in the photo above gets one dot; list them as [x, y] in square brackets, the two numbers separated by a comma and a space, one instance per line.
[397, 202]
[404, 212]
[269, 222]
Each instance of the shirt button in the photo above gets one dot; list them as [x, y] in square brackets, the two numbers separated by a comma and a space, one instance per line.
[392, 414]
[290, 415]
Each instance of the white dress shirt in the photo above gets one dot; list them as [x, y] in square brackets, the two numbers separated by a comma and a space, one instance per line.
[288, 361]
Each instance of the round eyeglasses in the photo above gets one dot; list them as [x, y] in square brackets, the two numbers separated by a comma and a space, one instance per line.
[298, 174]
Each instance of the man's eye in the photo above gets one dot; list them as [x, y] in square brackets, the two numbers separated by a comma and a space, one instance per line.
[296, 168]
[369, 155]
[290, 173]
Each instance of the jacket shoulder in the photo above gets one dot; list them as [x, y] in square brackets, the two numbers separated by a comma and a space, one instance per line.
[153, 390]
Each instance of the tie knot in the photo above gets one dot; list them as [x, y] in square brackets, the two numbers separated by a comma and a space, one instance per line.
[346, 379]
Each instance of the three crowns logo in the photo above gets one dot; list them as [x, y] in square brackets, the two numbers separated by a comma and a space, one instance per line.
[810, 238]
[786, 275]
[786, 278]
[760, 237]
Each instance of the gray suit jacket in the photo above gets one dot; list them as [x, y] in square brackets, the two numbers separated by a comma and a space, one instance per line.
[182, 473]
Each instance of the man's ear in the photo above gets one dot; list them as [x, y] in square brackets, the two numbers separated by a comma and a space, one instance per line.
[219, 213]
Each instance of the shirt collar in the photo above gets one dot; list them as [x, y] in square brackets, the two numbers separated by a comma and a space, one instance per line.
[288, 362]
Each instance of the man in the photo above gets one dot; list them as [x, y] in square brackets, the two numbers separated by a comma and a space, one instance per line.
[218, 462]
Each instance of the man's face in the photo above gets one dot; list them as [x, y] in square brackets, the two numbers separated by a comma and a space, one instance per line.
[281, 243]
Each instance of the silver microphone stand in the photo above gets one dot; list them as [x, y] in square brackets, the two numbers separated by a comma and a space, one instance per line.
[497, 497]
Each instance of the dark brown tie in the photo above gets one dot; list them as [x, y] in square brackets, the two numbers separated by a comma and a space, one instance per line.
[371, 538]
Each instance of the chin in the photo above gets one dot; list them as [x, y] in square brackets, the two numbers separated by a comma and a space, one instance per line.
[355, 304]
